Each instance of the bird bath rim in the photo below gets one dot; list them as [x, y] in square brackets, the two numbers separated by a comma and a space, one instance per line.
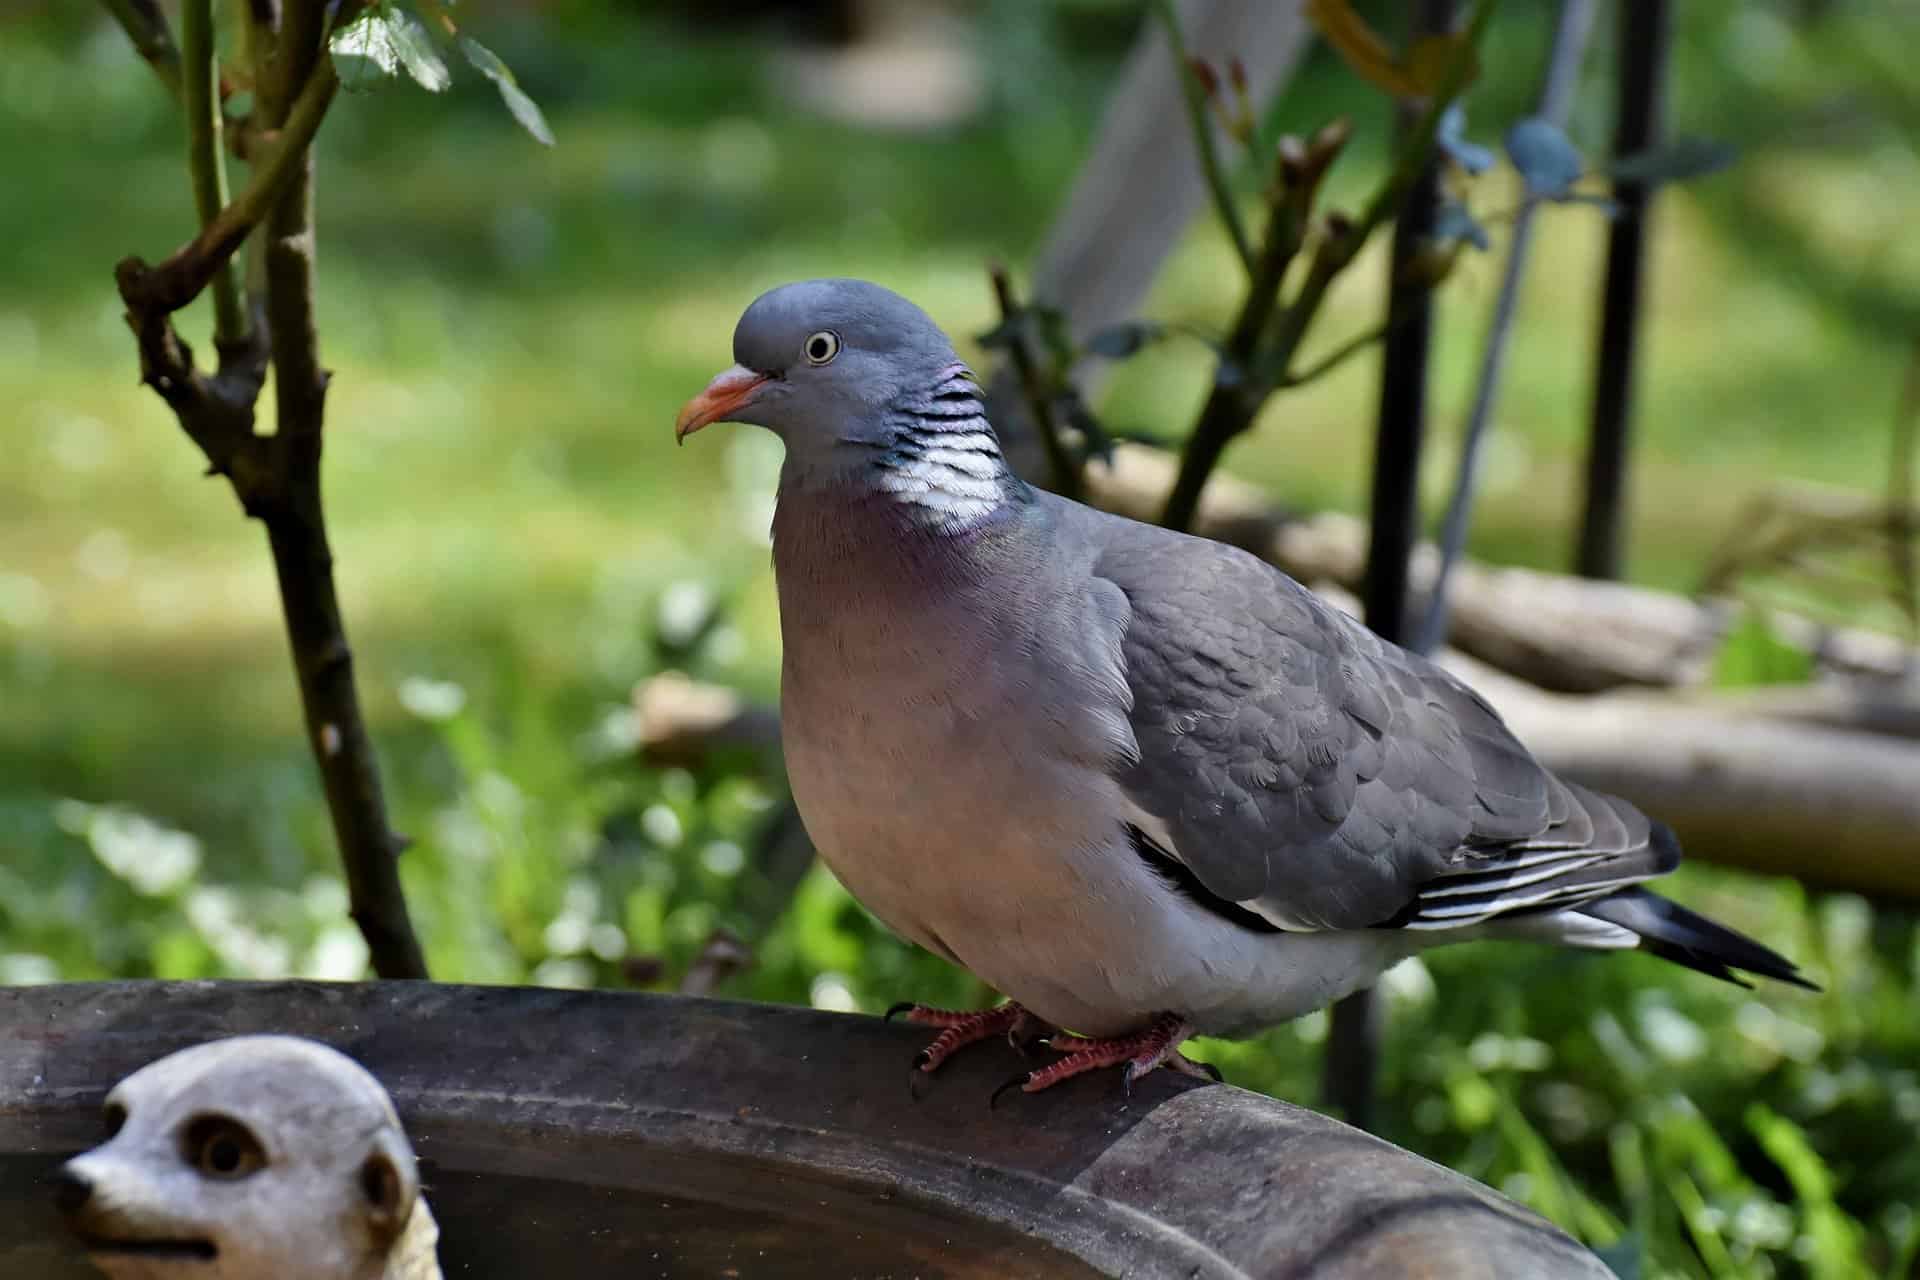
[749, 1107]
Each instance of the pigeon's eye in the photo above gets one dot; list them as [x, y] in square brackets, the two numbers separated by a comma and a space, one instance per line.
[821, 347]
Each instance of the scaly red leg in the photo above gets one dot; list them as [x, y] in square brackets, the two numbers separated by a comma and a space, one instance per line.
[962, 1028]
[1157, 1046]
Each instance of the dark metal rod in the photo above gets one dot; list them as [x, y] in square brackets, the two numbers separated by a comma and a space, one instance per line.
[1646, 31]
[1353, 1039]
[1401, 425]
[1556, 99]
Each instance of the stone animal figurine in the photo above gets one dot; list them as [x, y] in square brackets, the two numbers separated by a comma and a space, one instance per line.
[254, 1158]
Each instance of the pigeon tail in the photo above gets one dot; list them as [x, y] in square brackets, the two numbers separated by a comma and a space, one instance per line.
[1672, 932]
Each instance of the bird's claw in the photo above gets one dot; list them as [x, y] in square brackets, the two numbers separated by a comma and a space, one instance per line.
[1015, 1082]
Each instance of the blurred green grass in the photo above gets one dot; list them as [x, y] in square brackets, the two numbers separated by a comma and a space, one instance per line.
[511, 331]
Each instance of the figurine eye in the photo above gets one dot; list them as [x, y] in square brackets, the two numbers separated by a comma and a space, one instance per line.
[221, 1147]
[821, 347]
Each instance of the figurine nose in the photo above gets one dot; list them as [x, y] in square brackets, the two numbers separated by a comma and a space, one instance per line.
[71, 1189]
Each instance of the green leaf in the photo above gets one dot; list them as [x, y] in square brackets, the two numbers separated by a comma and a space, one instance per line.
[1675, 161]
[415, 48]
[1622, 1257]
[1117, 342]
[1607, 205]
[1835, 1244]
[1074, 412]
[365, 52]
[1050, 324]
[1371, 58]
[1753, 654]
[1455, 221]
[1547, 161]
[524, 109]
[1004, 334]
[1430, 57]
[1451, 138]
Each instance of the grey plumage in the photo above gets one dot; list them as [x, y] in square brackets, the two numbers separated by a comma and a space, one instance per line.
[1118, 771]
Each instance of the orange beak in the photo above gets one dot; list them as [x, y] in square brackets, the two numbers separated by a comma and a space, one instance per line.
[723, 398]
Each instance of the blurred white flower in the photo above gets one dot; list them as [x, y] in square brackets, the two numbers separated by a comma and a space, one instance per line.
[1491, 1051]
[607, 941]
[832, 991]
[220, 918]
[723, 858]
[498, 797]
[339, 954]
[662, 826]
[1777, 1035]
[615, 734]
[1408, 983]
[432, 700]
[24, 603]
[582, 898]
[1671, 1034]
[459, 830]
[726, 645]
[325, 898]
[153, 859]
[563, 973]
[1763, 1224]
[565, 935]
[683, 610]
[25, 969]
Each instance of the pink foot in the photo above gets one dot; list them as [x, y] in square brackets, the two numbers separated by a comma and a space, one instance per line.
[962, 1028]
[1143, 1051]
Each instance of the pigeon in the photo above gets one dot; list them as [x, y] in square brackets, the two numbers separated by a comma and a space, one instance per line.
[1142, 784]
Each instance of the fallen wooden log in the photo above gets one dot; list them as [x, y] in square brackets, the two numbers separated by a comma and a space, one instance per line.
[1567, 634]
[1838, 807]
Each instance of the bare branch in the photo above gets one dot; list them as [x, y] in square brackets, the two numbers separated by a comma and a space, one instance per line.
[1335, 358]
[302, 558]
[1900, 496]
[1238, 389]
[1195, 94]
[277, 477]
[1237, 397]
[146, 26]
[175, 282]
[217, 412]
[206, 163]
[1066, 471]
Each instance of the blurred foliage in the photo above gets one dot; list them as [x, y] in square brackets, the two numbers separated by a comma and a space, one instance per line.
[512, 329]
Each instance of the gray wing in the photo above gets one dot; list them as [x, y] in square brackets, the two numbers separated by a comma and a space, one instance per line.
[1323, 778]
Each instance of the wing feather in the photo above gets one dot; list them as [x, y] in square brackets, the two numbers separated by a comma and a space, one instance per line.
[1322, 778]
